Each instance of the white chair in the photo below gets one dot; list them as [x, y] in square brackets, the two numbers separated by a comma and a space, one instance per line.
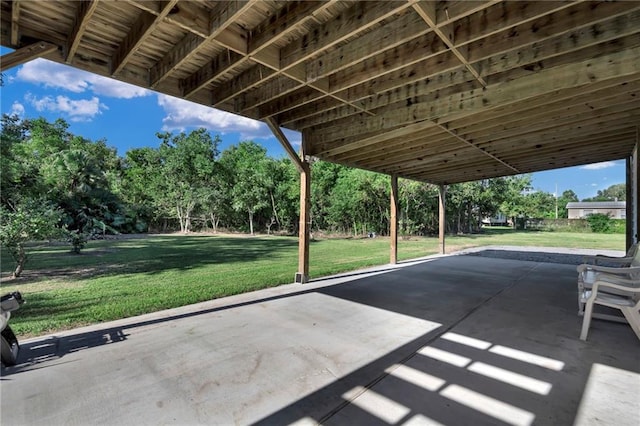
[587, 274]
[604, 260]
[617, 292]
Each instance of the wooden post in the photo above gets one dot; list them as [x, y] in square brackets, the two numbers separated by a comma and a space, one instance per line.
[630, 225]
[393, 221]
[442, 191]
[633, 193]
[302, 276]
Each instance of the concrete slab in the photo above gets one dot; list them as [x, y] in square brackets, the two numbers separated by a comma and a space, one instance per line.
[467, 339]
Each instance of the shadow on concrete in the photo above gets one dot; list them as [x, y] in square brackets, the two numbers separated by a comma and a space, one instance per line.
[531, 256]
[529, 315]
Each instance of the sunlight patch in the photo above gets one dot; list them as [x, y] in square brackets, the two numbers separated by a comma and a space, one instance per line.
[416, 377]
[376, 404]
[490, 406]
[421, 420]
[444, 356]
[541, 361]
[515, 379]
[464, 340]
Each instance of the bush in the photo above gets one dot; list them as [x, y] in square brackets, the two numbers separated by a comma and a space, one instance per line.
[600, 222]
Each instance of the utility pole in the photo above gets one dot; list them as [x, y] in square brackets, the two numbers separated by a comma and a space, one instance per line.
[556, 194]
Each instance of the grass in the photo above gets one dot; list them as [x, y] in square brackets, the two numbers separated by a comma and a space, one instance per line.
[122, 278]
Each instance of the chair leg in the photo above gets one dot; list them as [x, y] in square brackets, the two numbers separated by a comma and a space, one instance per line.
[586, 321]
[633, 318]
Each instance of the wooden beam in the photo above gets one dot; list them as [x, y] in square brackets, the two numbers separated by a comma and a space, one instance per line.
[15, 22]
[179, 54]
[205, 75]
[85, 10]
[393, 220]
[302, 276]
[447, 12]
[442, 218]
[483, 151]
[502, 92]
[141, 29]
[358, 18]
[283, 22]
[428, 12]
[498, 58]
[26, 54]
[319, 38]
[411, 80]
[390, 36]
[277, 132]
[188, 47]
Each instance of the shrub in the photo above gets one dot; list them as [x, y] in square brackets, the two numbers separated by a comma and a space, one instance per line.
[599, 222]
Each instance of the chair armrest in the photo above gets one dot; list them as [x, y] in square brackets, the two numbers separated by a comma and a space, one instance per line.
[616, 261]
[621, 284]
[608, 269]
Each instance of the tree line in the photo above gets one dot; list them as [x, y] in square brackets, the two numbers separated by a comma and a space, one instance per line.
[57, 184]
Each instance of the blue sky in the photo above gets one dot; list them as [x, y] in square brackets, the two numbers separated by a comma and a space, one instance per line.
[129, 117]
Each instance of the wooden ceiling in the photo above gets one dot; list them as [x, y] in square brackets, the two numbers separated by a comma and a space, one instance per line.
[438, 91]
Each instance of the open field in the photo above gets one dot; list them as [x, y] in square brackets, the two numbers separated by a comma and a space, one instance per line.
[120, 278]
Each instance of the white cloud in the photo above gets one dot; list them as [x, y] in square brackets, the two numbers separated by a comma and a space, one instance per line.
[53, 75]
[75, 109]
[294, 138]
[599, 166]
[181, 114]
[17, 109]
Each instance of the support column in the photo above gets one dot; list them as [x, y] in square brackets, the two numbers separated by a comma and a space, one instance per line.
[442, 220]
[302, 276]
[393, 221]
[633, 193]
[630, 222]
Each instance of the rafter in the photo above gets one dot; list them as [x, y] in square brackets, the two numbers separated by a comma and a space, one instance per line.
[26, 54]
[360, 17]
[498, 55]
[428, 12]
[190, 45]
[141, 29]
[502, 93]
[15, 22]
[219, 64]
[81, 20]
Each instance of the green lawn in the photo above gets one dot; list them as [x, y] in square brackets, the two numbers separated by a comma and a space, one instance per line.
[121, 278]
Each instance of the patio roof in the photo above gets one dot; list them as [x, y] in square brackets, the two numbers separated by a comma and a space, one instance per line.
[443, 92]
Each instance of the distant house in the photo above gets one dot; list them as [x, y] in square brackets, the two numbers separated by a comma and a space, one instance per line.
[498, 219]
[580, 210]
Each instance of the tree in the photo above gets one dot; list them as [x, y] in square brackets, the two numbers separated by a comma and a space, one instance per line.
[29, 221]
[187, 164]
[282, 182]
[617, 192]
[45, 161]
[246, 169]
[514, 199]
[418, 207]
[360, 202]
[540, 205]
[567, 196]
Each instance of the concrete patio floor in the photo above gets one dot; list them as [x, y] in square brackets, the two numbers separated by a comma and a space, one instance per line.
[452, 340]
